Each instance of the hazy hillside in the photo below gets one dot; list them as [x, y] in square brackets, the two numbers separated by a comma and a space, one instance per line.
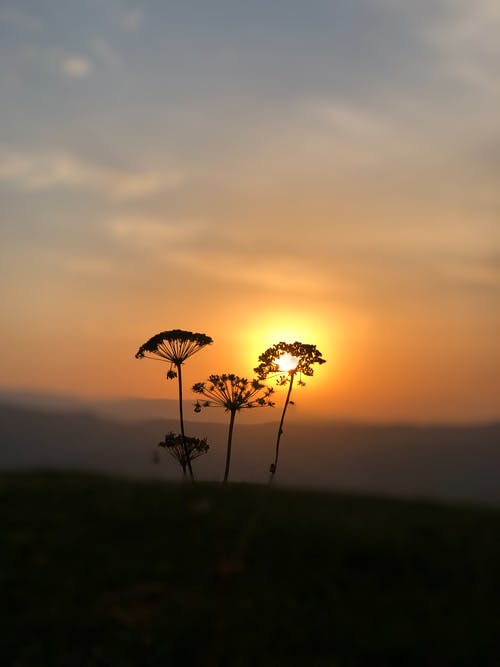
[127, 409]
[123, 409]
[440, 462]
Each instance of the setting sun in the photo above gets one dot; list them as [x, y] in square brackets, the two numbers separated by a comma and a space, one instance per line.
[287, 363]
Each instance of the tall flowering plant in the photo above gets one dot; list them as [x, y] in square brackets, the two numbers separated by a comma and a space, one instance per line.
[286, 361]
[233, 393]
[175, 347]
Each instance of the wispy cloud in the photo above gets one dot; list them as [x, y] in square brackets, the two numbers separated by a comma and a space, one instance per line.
[355, 137]
[192, 247]
[45, 171]
[234, 270]
[474, 273]
[151, 233]
[462, 35]
[88, 266]
[76, 67]
[467, 39]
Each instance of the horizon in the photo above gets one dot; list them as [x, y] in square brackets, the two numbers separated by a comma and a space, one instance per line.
[327, 174]
[166, 408]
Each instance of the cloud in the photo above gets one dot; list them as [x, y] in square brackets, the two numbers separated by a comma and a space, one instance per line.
[468, 42]
[132, 20]
[88, 266]
[353, 136]
[193, 247]
[46, 171]
[474, 24]
[346, 118]
[457, 41]
[234, 270]
[153, 233]
[76, 67]
[463, 37]
[337, 142]
[474, 273]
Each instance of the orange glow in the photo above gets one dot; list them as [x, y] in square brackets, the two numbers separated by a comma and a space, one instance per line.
[309, 326]
[263, 223]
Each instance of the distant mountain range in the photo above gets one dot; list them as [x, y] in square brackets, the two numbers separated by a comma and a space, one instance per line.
[122, 409]
[439, 462]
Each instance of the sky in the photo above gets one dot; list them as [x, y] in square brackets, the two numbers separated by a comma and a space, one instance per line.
[257, 171]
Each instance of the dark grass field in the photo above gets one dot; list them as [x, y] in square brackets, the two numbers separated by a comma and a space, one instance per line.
[100, 571]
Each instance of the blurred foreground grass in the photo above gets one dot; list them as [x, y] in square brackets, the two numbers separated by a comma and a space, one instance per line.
[99, 571]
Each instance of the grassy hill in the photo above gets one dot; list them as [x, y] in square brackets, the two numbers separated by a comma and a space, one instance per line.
[101, 571]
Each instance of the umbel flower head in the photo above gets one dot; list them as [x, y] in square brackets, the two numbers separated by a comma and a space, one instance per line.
[304, 354]
[232, 392]
[184, 449]
[173, 346]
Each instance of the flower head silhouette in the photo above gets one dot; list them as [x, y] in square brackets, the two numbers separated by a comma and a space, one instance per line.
[175, 347]
[233, 393]
[176, 446]
[305, 355]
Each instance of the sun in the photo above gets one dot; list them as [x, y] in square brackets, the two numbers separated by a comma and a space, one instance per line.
[287, 362]
[272, 324]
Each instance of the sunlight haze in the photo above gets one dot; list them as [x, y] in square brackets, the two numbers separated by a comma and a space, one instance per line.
[326, 172]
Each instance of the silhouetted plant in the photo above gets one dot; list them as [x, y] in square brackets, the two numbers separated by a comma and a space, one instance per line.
[184, 449]
[287, 360]
[233, 393]
[175, 347]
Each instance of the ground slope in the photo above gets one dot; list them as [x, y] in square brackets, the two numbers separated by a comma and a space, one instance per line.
[100, 571]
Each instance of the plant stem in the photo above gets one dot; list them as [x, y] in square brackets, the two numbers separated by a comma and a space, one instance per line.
[274, 465]
[229, 442]
[181, 416]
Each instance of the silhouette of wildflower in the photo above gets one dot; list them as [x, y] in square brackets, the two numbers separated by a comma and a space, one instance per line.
[284, 361]
[175, 347]
[233, 393]
[174, 444]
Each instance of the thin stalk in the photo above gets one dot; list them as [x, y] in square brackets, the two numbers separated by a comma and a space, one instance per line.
[181, 416]
[274, 465]
[229, 442]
